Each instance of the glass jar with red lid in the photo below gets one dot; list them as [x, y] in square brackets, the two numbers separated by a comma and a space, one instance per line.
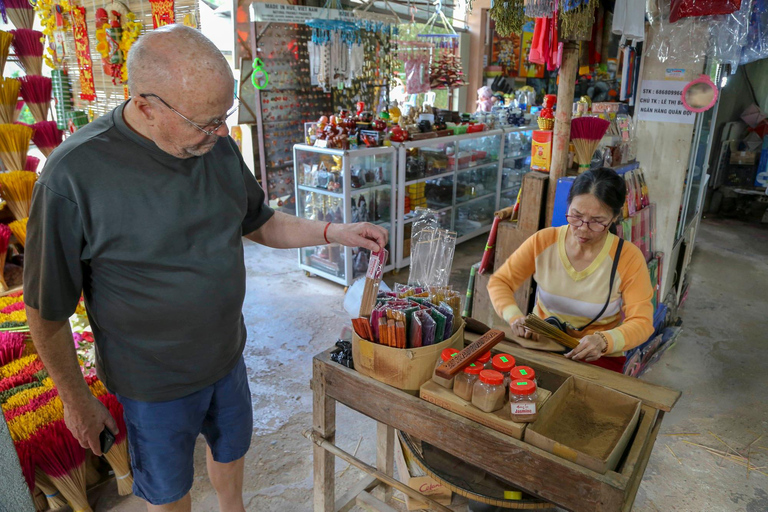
[522, 401]
[464, 381]
[488, 391]
[445, 356]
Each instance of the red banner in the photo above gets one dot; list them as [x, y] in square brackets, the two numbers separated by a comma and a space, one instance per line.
[162, 13]
[83, 52]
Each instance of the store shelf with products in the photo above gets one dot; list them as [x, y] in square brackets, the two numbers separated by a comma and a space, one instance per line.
[334, 185]
[458, 176]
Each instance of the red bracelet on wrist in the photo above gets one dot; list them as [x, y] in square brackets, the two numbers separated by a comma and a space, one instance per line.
[325, 233]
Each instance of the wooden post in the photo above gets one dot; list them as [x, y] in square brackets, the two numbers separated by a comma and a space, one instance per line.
[385, 456]
[324, 423]
[562, 135]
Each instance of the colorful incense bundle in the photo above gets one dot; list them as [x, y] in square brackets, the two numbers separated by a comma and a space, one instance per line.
[539, 326]
[12, 346]
[9, 97]
[14, 144]
[5, 44]
[32, 163]
[16, 189]
[28, 46]
[586, 134]
[36, 91]
[52, 494]
[17, 113]
[63, 459]
[372, 281]
[19, 230]
[117, 456]
[47, 136]
[5, 238]
[21, 12]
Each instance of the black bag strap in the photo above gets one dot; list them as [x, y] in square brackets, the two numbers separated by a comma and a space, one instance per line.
[610, 288]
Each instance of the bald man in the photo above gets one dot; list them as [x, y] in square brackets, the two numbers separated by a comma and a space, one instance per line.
[144, 211]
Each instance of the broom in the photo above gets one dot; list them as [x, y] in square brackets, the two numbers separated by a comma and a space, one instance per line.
[12, 345]
[17, 191]
[586, 133]
[9, 97]
[539, 326]
[55, 499]
[28, 46]
[118, 455]
[47, 136]
[21, 12]
[5, 43]
[19, 230]
[63, 459]
[14, 144]
[36, 91]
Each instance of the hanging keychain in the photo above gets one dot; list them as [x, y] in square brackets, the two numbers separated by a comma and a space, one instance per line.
[259, 77]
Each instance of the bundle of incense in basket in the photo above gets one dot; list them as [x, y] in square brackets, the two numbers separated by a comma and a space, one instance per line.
[372, 281]
[539, 326]
[362, 328]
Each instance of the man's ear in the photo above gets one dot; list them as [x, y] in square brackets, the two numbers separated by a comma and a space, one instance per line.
[145, 109]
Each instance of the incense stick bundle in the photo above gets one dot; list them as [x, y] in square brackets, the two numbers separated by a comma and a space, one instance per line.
[63, 459]
[47, 136]
[28, 46]
[17, 191]
[12, 346]
[54, 497]
[14, 144]
[36, 91]
[31, 164]
[5, 43]
[9, 97]
[117, 456]
[21, 13]
[19, 230]
[5, 237]
[38, 499]
[586, 133]
[539, 326]
[372, 281]
[17, 112]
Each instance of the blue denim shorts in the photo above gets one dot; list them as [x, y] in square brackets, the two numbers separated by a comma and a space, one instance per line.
[162, 435]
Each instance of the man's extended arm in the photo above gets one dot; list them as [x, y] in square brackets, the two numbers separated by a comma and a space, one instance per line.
[84, 415]
[283, 231]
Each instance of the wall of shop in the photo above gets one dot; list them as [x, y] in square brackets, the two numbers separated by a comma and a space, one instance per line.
[663, 151]
[474, 71]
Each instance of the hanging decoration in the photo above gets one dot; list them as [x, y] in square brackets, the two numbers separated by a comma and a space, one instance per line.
[445, 69]
[83, 53]
[162, 13]
[335, 51]
[577, 18]
[509, 16]
[116, 32]
[540, 8]
[53, 15]
[416, 55]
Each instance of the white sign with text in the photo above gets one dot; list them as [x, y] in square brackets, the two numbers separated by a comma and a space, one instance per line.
[661, 101]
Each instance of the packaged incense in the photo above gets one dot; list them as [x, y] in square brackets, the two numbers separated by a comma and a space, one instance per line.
[428, 327]
[391, 335]
[446, 310]
[414, 338]
[400, 334]
[372, 281]
[439, 324]
[383, 332]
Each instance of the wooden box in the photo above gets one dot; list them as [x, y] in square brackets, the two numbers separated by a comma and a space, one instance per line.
[420, 481]
[497, 420]
[587, 424]
[403, 368]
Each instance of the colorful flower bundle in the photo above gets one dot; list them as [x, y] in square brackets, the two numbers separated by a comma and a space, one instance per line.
[53, 462]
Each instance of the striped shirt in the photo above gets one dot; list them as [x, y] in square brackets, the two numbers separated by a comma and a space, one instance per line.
[577, 297]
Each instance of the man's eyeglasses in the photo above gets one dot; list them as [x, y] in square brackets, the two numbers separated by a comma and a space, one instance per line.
[209, 129]
[593, 225]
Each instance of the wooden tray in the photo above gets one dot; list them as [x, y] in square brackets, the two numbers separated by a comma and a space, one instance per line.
[498, 420]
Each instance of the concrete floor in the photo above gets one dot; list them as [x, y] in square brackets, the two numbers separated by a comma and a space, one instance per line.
[718, 364]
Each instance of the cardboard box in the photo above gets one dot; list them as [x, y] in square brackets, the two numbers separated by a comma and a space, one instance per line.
[587, 424]
[415, 478]
[500, 420]
[403, 368]
[744, 157]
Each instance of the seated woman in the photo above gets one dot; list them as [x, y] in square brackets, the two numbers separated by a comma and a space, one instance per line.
[587, 278]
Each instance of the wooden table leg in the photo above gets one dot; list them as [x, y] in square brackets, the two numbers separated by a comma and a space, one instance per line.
[324, 423]
[385, 456]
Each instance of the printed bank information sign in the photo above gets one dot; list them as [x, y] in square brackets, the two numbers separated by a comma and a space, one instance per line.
[661, 101]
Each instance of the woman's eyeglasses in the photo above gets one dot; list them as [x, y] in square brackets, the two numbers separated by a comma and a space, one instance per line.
[593, 225]
[209, 129]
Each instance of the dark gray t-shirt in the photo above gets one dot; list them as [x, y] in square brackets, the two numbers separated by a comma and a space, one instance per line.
[155, 244]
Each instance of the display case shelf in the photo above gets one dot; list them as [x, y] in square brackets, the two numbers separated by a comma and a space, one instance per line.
[429, 178]
[373, 201]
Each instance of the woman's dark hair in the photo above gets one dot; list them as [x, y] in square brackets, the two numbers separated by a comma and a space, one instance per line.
[606, 185]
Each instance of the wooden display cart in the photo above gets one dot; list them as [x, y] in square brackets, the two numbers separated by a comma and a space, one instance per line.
[533, 470]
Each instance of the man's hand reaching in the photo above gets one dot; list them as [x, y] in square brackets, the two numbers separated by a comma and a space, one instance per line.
[361, 234]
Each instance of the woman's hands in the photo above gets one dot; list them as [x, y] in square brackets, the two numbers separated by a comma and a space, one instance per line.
[518, 329]
[590, 349]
